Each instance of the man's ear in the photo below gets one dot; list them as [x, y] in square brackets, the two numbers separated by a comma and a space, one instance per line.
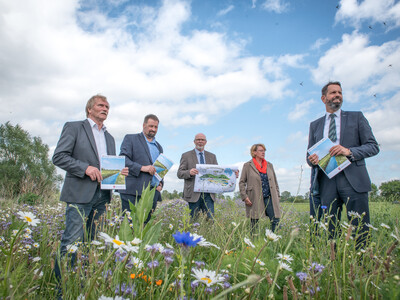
[323, 98]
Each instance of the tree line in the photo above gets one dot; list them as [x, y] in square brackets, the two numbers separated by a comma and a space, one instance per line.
[26, 171]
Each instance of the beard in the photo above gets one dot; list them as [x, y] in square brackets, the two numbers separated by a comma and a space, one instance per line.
[334, 105]
[151, 134]
[200, 148]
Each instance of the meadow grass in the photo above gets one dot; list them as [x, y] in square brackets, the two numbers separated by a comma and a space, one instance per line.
[225, 262]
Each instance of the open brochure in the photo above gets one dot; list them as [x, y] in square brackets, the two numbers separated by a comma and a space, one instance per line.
[111, 167]
[162, 165]
[215, 178]
[331, 165]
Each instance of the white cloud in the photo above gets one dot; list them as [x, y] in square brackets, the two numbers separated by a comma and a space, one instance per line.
[142, 64]
[373, 11]
[277, 6]
[319, 43]
[385, 123]
[354, 62]
[226, 10]
[300, 110]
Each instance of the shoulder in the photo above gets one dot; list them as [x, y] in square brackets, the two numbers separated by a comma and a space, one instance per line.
[188, 153]
[248, 164]
[321, 119]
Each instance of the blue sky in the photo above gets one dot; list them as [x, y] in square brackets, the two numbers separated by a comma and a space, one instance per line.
[241, 72]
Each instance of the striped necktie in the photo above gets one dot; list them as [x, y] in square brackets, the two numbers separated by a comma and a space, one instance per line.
[332, 128]
[201, 158]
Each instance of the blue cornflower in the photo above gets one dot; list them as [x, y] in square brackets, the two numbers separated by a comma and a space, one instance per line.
[185, 239]
[324, 207]
[302, 276]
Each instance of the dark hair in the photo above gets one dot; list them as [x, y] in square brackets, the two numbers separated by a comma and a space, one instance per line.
[150, 116]
[92, 101]
[325, 88]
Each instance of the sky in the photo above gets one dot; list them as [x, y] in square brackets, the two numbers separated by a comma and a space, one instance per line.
[241, 72]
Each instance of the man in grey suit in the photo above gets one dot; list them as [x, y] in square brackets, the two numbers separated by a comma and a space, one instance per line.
[78, 152]
[353, 137]
[187, 170]
[141, 151]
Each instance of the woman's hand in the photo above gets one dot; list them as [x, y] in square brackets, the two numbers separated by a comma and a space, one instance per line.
[248, 202]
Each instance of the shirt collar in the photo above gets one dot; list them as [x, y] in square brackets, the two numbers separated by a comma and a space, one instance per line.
[336, 113]
[153, 141]
[197, 151]
[93, 124]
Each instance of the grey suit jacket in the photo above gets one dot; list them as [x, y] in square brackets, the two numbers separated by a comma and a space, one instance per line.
[75, 151]
[355, 134]
[189, 161]
[137, 154]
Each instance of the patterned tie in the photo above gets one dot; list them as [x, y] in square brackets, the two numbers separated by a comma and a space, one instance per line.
[332, 128]
[201, 158]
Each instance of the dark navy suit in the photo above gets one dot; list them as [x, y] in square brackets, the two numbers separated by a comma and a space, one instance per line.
[137, 154]
[351, 186]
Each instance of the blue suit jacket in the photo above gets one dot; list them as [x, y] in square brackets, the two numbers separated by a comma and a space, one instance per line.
[137, 154]
[355, 134]
[75, 151]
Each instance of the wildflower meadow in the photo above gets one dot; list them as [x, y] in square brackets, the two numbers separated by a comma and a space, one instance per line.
[174, 257]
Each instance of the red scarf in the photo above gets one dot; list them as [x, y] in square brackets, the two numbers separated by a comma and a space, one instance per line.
[263, 167]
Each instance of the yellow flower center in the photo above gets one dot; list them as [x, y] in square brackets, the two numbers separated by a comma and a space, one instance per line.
[28, 219]
[119, 243]
[206, 279]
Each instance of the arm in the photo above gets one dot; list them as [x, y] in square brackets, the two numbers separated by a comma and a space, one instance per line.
[183, 170]
[312, 160]
[63, 158]
[134, 167]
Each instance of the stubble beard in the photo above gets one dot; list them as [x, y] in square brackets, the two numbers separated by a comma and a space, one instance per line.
[335, 106]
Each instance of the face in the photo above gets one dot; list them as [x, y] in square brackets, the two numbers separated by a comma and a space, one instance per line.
[333, 99]
[259, 153]
[99, 110]
[200, 141]
[150, 128]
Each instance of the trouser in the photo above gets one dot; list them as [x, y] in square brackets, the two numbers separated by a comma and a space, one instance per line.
[269, 212]
[338, 191]
[204, 204]
[126, 198]
[82, 222]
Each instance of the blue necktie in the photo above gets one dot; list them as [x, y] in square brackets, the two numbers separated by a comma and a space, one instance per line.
[332, 128]
[201, 158]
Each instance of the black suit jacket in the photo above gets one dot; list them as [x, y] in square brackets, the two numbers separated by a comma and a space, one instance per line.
[75, 151]
[355, 134]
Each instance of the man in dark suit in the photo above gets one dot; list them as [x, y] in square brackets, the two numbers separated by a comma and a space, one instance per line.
[187, 170]
[78, 152]
[353, 137]
[141, 151]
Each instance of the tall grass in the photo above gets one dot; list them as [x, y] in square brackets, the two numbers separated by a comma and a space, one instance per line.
[301, 263]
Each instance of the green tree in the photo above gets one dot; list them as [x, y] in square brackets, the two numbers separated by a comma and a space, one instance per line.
[286, 196]
[24, 164]
[373, 194]
[390, 190]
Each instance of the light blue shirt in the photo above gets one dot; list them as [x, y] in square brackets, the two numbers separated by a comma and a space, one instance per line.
[337, 122]
[154, 152]
[198, 155]
[99, 138]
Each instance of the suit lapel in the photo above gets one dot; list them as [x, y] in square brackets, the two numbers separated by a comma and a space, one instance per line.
[194, 157]
[320, 129]
[343, 121]
[89, 133]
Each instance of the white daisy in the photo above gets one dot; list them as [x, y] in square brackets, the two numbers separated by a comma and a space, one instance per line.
[28, 217]
[136, 262]
[136, 241]
[285, 257]
[35, 259]
[208, 277]
[203, 241]
[385, 226]
[272, 236]
[285, 266]
[96, 243]
[171, 226]
[372, 227]
[116, 242]
[249, 243]
[130, 248]
[354, 214]
[72, 248]
[36, 245]
[260, 262]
